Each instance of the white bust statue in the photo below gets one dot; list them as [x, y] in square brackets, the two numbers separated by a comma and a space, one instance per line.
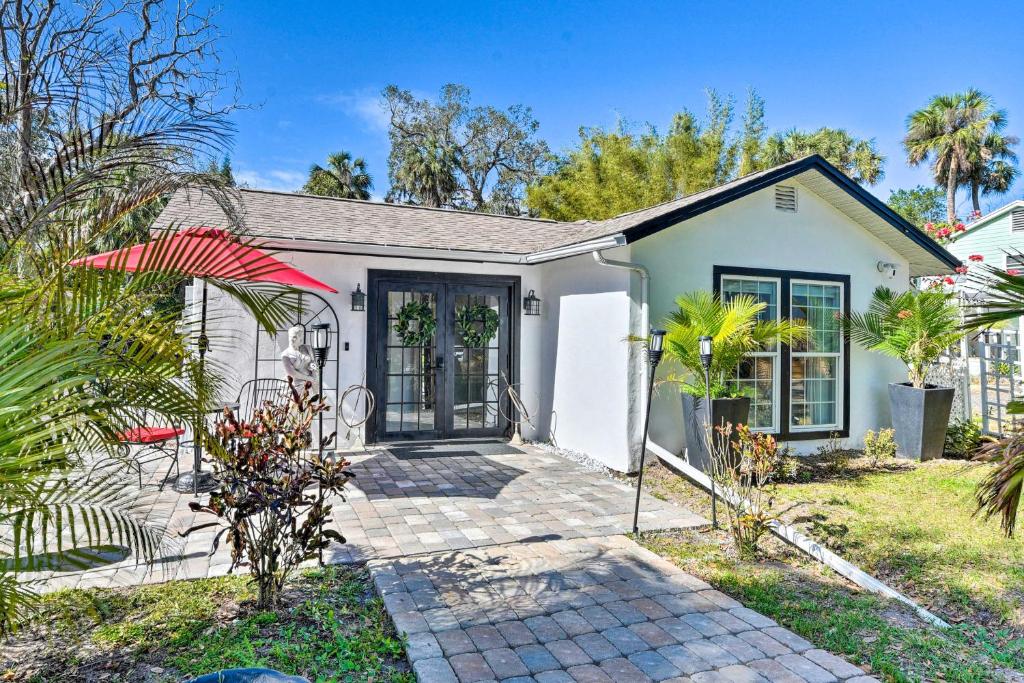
[298, 358]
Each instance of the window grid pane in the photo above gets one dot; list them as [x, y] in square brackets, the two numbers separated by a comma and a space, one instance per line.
[755, 377]
[814, 371]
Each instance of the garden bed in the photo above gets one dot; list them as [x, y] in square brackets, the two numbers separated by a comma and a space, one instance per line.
[911, 526]
[331, 627]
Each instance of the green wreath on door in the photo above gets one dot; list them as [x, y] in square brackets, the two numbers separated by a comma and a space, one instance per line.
[420, 334]
[477, 325]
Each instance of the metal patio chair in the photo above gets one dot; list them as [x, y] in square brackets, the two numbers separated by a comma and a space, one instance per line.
[257, 392]
[153, 443]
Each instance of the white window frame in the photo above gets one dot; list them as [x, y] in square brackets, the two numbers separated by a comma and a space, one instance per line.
[776, 355]
[839, 356]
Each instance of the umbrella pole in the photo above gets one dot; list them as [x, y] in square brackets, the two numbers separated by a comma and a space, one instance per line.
[197, 448]
[198, 481]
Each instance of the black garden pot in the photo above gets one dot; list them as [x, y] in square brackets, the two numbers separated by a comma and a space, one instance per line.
[920, 418]
[723, 410]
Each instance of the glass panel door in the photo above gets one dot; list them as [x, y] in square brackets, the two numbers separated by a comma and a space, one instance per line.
[478, 359]
[412, 377]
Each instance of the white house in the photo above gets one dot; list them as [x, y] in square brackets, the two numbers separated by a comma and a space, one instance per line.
[797, 235]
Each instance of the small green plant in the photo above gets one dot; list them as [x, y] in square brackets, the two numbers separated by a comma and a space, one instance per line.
[963, 438]
[787, 466]
[832, 455]
[914, 326]
[881, 446]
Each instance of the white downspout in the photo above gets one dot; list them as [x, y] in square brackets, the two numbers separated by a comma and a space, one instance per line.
[645, 279]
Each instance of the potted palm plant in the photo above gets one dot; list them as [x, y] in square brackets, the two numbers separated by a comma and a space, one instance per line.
[737, 329]
[916, 327]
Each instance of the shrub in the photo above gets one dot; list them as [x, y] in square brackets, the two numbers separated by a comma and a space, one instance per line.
[880, 446]
[787, 466]
[833, 456]
[963, 438]
[272, 493]
[744, 464]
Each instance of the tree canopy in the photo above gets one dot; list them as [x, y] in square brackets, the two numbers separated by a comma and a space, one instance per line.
[451, 154]
[961, 136]
[343, 177]
[919, 205]
[611, 172]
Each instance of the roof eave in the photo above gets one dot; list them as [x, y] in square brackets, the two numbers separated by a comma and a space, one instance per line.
[815, 162]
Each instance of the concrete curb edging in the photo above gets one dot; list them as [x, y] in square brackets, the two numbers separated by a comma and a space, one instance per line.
[803, 543]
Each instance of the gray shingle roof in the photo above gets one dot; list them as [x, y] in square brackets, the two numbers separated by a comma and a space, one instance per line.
[283, 216]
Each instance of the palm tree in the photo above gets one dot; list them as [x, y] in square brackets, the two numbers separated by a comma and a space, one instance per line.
[342, 178]
[736, 330]
[992, 169]
[857, 158]
[950, 132]
[426, 174]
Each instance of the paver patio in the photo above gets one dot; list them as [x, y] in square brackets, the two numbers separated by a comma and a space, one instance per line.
[399, 507]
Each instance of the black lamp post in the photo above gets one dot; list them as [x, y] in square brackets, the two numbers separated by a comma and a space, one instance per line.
[321, 346]
[706, 354]
[654, 348]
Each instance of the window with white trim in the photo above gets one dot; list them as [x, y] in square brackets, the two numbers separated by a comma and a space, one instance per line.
[798, 390]
[816, 364]
[756, 377]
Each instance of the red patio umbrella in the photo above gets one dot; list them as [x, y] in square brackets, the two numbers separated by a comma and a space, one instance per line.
[204, 252]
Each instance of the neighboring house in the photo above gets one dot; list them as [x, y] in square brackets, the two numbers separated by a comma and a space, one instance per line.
[800, 236]
[996, 236]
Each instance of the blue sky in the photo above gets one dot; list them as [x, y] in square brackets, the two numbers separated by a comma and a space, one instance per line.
[313, 71]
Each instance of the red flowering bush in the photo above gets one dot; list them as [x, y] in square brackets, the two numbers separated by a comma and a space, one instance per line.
[977, 258]
[1012, 271]
[961, 270]
[944, 232]
[271, 499]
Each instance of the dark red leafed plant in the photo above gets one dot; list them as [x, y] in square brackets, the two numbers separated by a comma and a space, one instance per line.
[273, 490]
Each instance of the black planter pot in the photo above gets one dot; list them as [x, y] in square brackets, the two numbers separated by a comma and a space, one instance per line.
[723, 410]
[920, 418]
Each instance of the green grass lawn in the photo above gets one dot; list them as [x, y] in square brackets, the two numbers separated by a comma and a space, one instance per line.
[331, 628]
[913, 527]
[916, 528]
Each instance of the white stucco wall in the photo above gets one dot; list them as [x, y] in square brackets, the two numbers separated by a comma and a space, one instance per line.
[586, 375]
[750, 232]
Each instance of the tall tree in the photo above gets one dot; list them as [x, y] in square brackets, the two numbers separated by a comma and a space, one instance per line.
[752, 137]
[474, 157]
[611, 172]
[343, 177]
[857, 158]
[919, 205]
[949, 132]
[222, 171]
[993, 167]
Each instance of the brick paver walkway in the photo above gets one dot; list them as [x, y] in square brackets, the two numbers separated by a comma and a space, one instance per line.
[585, 610]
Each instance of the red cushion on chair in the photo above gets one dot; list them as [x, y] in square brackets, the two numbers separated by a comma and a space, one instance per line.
[150, 434]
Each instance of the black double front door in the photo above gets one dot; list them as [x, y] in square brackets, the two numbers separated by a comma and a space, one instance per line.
[439, 354]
